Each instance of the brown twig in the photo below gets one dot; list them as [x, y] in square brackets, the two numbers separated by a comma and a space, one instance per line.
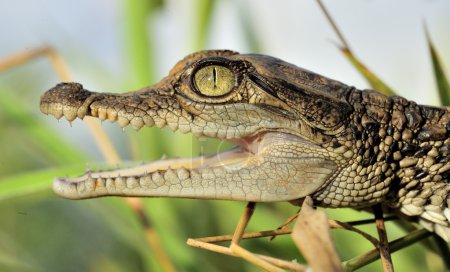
[237, 250]
[373, 255]
[286, 223]
[267, 263]
[383, 247]
[292, 266]
[288, 230]
[243, 222]
[370, 221]
[247, 235]
[341, 225]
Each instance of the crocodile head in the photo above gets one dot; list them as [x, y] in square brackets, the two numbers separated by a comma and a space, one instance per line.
[282, 119]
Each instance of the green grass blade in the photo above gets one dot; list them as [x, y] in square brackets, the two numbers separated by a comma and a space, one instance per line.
[33, 181]
[141, 67]
[442, 82]
[374, 81]
[47, 142]
[139, 48]
[202, 23]
[251, 35]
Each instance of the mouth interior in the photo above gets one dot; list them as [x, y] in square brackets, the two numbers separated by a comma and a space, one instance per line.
[233, 158]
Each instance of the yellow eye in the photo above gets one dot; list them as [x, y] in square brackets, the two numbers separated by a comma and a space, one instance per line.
[214, 80]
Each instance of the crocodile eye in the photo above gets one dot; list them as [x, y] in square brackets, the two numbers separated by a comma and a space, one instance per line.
[214, 80]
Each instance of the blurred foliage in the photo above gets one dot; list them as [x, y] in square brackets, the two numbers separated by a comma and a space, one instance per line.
[443, 85]
[41, 232]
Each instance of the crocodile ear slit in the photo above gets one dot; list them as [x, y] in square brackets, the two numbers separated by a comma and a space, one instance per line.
[321, 110]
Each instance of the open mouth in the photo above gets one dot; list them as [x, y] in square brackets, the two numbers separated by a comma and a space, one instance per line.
[173, 177]
[231, 159]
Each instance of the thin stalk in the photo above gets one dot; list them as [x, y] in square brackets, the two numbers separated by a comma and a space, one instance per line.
[395, 245]
[383, 246]
[334, 25]
[371, 78]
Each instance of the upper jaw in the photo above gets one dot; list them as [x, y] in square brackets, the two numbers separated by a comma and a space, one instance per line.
[155, 106]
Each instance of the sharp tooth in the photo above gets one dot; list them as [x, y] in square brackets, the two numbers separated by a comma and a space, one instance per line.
[123, 122]
[102, 114]
[137, 123]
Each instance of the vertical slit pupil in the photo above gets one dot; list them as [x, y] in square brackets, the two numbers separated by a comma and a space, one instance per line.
[214, 76]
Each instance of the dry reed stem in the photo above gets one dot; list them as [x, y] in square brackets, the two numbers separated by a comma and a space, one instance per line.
[252, 258]
[243, 222]
[383, 245]
[292, 266]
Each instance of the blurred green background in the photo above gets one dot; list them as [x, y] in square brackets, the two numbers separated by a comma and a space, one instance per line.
[124, 45]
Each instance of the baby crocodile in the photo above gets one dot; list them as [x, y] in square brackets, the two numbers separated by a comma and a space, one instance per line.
[297, 134]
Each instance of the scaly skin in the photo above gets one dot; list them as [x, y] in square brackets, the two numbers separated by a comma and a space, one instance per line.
[298, 134]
